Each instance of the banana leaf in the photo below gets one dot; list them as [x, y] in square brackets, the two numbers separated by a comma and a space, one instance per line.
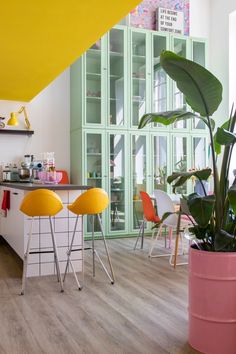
[232, 198]
[201, 208]
[224, 137]
[202, 90]
[182, 177]
[165, 118]
[170, 117]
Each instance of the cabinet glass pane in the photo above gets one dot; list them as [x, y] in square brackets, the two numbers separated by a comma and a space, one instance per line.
[117, 182]
[198, 123]
[138, 76]
[116, 77]
[93, 84]
[160, 162]
[139, 159]
[199, 53]
[159, 77]
[199, 49]
[179, 102]
[94, 168]
[199, 153]
[94, 160]
[180, 159]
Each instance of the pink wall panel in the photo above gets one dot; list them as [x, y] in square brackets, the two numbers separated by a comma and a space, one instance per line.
[144, 15]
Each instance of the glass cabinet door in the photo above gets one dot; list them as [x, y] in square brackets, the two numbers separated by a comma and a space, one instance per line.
[180, 159]
[138, 87]
[94, 84]
[199, 57]
[116, 77]
[94, 167]
[94, 160]
[180, 48]
[199, 52]
[117, 183]
[139, 173]
[159, 84]
[199, 152]
[160, 162]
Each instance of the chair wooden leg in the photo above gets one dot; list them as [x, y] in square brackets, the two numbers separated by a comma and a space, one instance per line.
[154, 240]
[170, 236]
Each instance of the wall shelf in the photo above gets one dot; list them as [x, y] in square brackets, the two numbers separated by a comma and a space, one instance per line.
[16, 131]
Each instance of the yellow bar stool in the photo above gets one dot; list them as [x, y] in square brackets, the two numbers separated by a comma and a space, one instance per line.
[92, 202]
[41, 202]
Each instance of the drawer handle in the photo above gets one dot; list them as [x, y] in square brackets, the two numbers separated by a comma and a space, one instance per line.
[15, 193]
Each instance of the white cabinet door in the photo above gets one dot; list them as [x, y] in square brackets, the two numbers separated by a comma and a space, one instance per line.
[12, 226]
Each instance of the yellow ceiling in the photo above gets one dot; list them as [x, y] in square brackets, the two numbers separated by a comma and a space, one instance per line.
[39, 39]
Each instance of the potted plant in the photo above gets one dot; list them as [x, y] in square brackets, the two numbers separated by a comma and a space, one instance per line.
[212, 263]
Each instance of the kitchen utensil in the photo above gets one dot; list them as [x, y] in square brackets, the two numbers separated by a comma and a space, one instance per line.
[24, 173]
[50, 177]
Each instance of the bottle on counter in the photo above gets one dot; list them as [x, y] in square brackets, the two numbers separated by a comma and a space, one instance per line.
[7, 173]
[49, 162]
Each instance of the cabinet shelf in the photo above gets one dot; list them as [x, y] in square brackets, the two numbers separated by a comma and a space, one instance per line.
[135, 78]
[138, 101]
[93, 98]
[16, 131]
[139, 58]
[94, 178]
[94, 154]
[93, 76]
[116, 54]
[94, 52]
[97, 76]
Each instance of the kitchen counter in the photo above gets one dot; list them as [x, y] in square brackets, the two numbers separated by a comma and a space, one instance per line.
[51, 186]
[14, 227]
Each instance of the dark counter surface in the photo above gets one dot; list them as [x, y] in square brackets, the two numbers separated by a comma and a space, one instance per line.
[33, 186]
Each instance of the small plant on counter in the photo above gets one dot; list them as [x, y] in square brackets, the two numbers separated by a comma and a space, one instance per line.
[214, 214]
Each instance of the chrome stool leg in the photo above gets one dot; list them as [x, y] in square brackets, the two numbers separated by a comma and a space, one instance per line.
[111, 277]
[56, 254]
[26, 257]
[69, 260]
[93, 249]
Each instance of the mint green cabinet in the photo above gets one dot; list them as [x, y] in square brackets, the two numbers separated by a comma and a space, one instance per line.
[139, 75]
[117, 78]
[139, 174]
[117, 183]
[113, 84]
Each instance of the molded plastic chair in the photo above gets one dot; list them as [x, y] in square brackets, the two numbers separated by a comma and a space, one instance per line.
[65, 178]
[92, 202]
[41, 202]
[165, 205]
[149, 214]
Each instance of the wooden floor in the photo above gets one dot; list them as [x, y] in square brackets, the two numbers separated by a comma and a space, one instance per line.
[144, 312]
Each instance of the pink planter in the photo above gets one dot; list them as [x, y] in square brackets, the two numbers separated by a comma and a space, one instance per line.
[212, 301]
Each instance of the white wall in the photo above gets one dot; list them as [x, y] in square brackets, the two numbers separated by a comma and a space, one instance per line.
[199, 18]
[219, 57]
[219, 49]
[49, 114]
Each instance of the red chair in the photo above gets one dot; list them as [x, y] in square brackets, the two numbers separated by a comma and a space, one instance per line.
[149, 214]
[65, 178]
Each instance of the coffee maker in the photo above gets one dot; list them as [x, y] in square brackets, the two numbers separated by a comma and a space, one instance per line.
[25, 171]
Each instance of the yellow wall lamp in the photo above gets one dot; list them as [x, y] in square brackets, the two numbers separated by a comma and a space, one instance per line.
[13, 121]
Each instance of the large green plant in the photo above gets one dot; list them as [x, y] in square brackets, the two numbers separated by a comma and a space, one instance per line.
[215, 214]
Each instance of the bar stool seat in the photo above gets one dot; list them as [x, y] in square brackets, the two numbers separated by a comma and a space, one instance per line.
[92, 202]
[41, 202]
